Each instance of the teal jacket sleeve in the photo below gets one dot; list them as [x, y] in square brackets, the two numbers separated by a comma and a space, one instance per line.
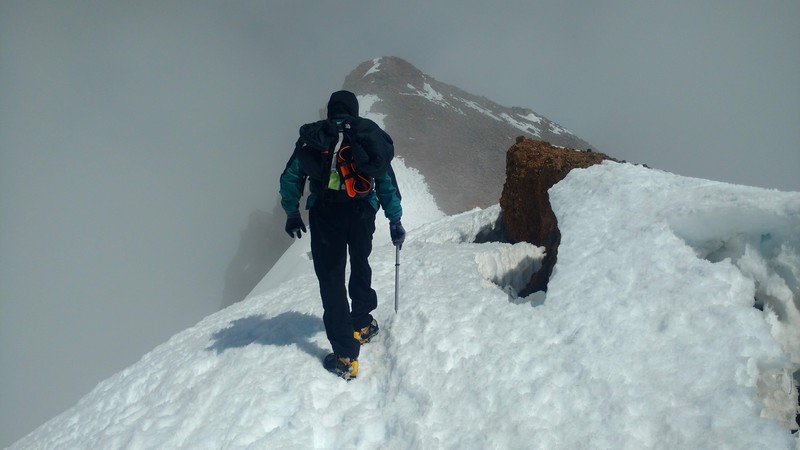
[389, 195]
[293, 181]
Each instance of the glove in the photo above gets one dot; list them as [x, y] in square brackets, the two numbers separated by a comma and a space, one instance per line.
[398, 233]
[294, 224]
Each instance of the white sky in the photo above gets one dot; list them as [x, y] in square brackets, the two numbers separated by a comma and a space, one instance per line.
[135, 139]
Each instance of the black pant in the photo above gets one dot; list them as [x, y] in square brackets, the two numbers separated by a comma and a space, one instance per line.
[335, 229]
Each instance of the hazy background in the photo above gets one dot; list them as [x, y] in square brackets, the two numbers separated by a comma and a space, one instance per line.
[137, 137]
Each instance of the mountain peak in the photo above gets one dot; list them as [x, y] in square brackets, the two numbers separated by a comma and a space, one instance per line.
[456, 139]
[379, 69]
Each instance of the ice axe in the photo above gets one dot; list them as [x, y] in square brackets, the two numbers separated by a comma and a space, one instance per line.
[396, 276]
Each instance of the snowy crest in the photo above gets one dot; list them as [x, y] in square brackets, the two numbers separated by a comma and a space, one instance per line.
[646, 338]
[447, 96]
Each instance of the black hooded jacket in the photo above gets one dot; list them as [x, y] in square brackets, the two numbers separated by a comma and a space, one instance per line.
[373, 148]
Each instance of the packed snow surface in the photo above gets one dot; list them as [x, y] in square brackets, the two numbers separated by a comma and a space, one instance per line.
[646, 339]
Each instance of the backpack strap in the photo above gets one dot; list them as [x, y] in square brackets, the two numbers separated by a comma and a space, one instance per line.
[336, 151]
[334, 182]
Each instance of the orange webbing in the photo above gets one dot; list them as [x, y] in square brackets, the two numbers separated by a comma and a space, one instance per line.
[355, 184]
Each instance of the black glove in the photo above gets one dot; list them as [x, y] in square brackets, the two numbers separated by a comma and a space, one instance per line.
[398, 233]
[294, 224]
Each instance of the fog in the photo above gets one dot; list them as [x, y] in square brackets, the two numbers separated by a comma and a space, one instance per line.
[137, 139]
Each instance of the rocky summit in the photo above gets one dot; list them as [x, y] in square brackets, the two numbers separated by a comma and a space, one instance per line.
[457, 140]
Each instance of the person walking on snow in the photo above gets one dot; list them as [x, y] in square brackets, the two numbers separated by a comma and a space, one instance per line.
[340, 223]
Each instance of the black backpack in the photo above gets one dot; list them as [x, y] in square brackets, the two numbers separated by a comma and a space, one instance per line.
[339, 166]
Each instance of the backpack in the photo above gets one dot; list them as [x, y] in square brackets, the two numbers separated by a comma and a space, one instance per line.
[340, 168]
[344, 174]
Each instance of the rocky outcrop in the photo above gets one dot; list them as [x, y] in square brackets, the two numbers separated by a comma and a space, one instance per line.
[532, 167]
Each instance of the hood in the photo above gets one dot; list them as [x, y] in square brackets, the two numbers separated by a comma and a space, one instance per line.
[342, 103]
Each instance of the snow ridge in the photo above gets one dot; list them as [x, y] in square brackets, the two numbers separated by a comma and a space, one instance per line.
[529, 122]
[640, 341]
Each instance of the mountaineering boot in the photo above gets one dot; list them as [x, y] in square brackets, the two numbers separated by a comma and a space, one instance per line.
[346, 368]
[366, 334]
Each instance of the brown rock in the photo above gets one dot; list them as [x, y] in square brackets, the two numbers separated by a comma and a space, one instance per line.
[533, 167]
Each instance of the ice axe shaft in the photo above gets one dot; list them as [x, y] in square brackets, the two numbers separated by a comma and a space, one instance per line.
[396, 277]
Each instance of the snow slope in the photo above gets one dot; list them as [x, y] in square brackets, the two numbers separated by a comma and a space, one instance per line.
[647, 337]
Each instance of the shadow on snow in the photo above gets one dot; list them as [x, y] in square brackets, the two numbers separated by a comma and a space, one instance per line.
[289, 328]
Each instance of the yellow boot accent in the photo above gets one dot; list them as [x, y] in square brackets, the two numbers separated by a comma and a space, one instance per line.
[357, 335]
[353, 368]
